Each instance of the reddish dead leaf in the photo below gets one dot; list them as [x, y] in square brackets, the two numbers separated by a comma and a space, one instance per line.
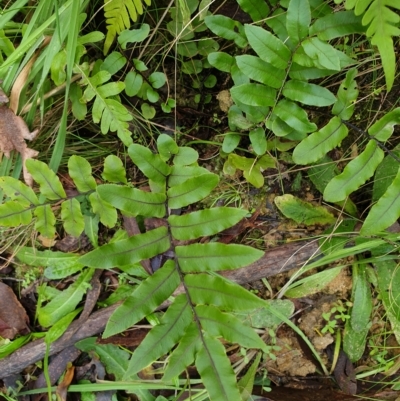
[13, 318]
[62, 388]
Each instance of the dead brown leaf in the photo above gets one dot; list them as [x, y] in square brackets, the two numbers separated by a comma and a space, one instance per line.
[13, 318]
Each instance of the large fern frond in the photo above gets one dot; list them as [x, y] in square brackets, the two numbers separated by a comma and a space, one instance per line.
[382, 23]
[119, 14]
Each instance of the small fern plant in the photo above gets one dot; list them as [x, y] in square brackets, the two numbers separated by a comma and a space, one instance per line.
[210, 308]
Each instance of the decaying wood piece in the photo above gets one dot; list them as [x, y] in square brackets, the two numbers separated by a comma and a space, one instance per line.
[273, 262]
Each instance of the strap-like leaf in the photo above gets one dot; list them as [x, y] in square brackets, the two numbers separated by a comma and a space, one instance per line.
[383, 128]
[204, 222]
[362, 300]
[80, 171]
[337, 24]
[162, 337]
[268, 47]
[45, 221]
[150, 164]
[17, 190]
[66, 301]
[184, 354]
[128, 251]
[294, 116]
[72, 217]
[226, 28]
[325, 54]
[58, 264]
[191, 191]
[261, 71]
[219, 324]
[216, 371]
[215, 256]
[133, 201]
[50, 185]
[179, 175]
[385, 212]
[107, 213]
[214, 290]
[298, 19]
[319, 143]
[306, 93]
[148, 295]
[355, 173]
[254, 95]
[13, 213]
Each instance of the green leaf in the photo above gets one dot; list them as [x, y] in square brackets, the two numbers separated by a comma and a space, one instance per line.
[133, 201]
[246, 383]
[13, 214]
[179, 175]
[219, 324]
[148, 295]
[113, 63]
[150, 164]
[261, 71]
[215, 256]
[319, 143]
[294, 116]
[337, 24]
[66, 301]
[346, 97]
[268, 47]
[184, 354]
[204, 222]
[18, 191]
[231, 141]
[257, 13]
[354, 342]
[310, 94]
[72, 217]
[298, 19]
[354, 174]
[215, 290]
[362, 300]
[59, 328]
[255, 94]
[324, 53]
[157, 79]
[128, 251]
[312, 284]
[216, 371]
[221, 61]
[161, 338]
[303, 212]
[388, 275]
[58, 264]
[114, 170]
[133, 35]
[166, 147]
[45, 221]
[225, 27]
[107, 213]
[133, 83]
[258, 141]
[385, 212]
[191, 191]
[114, 358]
[385, 174]
[50, 185]
[383, 128]
[185, 156]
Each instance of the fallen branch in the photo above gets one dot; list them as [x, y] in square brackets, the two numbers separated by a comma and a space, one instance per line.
[273, 262]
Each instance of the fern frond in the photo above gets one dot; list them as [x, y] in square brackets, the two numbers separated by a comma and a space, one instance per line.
[119, 14]
[382, 23]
